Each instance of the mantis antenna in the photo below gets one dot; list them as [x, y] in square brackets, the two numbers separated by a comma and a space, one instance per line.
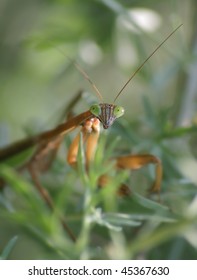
[140, 67]
[84, 74]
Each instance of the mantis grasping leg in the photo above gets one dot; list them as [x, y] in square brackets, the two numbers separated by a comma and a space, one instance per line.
[90, 133]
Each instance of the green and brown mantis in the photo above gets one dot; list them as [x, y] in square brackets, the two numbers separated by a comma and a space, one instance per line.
[90, 120]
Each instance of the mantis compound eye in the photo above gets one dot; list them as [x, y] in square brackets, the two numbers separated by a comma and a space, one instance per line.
[95, 110]
[118, 111]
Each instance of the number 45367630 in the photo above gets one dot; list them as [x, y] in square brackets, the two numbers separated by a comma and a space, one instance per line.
[145, 270]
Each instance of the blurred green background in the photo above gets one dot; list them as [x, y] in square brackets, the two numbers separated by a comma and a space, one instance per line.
[109, 39]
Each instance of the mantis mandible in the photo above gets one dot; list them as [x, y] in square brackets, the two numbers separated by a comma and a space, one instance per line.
[90, 120]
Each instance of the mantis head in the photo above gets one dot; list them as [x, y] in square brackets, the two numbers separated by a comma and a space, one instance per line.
[107, 113]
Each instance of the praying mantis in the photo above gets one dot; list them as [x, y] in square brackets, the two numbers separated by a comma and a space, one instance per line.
[90, 120]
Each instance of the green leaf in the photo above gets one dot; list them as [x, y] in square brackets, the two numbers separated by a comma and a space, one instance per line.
[8, 249]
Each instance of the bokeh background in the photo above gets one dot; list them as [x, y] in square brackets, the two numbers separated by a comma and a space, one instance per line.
[109, 39]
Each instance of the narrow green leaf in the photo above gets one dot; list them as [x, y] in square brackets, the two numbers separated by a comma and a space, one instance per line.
[9, 247]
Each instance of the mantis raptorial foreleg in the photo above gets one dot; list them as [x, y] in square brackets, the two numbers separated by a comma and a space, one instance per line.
[90, 133]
